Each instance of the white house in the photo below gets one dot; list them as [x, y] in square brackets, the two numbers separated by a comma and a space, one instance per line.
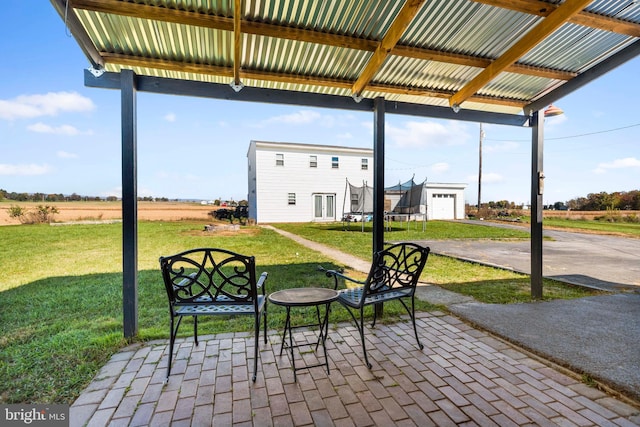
[291, 182]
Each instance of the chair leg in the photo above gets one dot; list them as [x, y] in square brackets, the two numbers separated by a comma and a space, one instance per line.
[412, 314]
[361, 327]
[195, 329]
[376, 308]
[264, 315]
[413, 318]
[256, 343]
[172, 339]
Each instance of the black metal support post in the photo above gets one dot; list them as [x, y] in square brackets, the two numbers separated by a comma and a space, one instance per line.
[129, 204]
[537, 188]
[378, 181]
[378, 174]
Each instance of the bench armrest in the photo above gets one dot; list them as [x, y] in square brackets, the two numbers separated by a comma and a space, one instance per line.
[336, 275]
[261, 281]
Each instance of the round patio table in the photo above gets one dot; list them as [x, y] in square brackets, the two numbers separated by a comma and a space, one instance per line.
[305, 297]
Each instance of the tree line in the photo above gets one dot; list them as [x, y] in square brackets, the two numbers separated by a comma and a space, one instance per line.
[602, 201]
[42, 197]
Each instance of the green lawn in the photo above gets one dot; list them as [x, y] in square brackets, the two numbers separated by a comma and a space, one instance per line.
[487, 284]
[620, 228]
[61, 317]
[629, 229]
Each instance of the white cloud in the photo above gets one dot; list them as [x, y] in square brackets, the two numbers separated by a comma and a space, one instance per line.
[628, 162]
[24, 170]
[49, 104]
[440, 167]
[487, 178]
[301, 117]
[421, 134]
[58, 130]
[554, 121]
[66, 155]
[501, 147]
[170, 117]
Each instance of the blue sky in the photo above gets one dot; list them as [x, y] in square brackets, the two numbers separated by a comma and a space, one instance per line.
[57, 136]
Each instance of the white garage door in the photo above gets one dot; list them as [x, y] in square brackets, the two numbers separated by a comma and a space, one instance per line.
[443, 206]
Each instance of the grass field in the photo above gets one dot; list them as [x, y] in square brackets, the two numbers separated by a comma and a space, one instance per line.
[61, 317]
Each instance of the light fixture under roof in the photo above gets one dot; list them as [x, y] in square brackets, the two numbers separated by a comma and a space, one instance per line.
[552, 110]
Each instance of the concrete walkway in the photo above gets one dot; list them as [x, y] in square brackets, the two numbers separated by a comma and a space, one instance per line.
[464, 376]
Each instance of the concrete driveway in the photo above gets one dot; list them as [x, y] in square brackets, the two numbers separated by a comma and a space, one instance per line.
[597, 336]
[604, 262]
[594, 336]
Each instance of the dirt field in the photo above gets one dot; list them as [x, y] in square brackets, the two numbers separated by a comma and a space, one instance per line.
[175, 211]
[94, 211]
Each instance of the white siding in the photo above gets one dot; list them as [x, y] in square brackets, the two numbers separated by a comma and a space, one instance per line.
[270, 184]
[454, 202]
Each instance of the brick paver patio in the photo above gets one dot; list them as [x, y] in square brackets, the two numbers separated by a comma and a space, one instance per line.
[462, 377]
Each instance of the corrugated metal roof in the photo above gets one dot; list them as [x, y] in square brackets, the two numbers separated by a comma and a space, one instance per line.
[326, 46]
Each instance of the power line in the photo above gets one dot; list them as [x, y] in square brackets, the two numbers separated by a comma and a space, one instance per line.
[570, 136]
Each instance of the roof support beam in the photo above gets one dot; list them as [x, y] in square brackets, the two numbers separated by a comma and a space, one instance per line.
[479, 62]
[271, 96]
[378, 177]
[555, 19]
[237, 40]
[584, 18]
[215, 70]
[537, 186]
[129, 203]
[390, 39]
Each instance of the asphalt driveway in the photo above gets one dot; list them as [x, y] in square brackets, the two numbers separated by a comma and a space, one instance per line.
[604, 262]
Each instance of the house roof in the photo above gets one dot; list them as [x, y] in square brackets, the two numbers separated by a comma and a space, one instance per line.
[500, 56]
[294, 146]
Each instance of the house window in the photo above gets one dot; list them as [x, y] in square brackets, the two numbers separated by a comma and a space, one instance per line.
[292, 198]
[279, 159]
[313, 161]
[334, 163]
[365, 164]
[355, 202]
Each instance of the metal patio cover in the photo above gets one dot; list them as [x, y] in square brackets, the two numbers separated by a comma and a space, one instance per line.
[505, 56]
[491, 61]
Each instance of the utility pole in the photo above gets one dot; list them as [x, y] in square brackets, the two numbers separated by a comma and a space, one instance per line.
[480, 169]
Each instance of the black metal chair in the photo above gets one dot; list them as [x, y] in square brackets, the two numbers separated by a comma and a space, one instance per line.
[393, 275]
[208, 281]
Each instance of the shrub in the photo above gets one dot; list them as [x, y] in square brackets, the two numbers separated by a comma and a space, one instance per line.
[17, 212]
[42, 214]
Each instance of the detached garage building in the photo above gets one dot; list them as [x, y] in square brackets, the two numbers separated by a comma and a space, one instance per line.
[445, 201]
[436, 200]
[291, 182]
